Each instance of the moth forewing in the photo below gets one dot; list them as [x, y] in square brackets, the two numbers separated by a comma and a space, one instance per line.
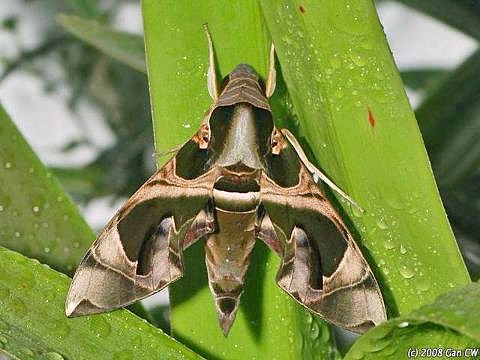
[140, 251]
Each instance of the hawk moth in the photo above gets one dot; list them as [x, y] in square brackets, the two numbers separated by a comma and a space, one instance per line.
[237, 179]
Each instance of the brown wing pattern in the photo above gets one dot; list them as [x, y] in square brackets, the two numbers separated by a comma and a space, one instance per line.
[140, 251]
[322, 267]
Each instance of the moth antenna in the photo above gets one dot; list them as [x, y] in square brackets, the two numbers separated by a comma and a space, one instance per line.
[172, 150]
[212, 82]
[272, 74]
[317, 174]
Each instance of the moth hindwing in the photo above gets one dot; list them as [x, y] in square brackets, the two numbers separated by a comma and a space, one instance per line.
[239, 178]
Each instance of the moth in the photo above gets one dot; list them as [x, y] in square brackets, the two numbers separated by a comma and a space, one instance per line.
[238, 179]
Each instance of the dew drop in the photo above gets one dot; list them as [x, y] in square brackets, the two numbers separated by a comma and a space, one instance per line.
[51, 356]
[389, 245]
[8, 165]
[338, 93]
[423, 284]
[309, 318]
[356, 212]
[403, 324]
[1, 208]
[36, 209]
[314, 331]
[18, 234]
[403, 250]
[382, 225]
[357, 59]
[406, 272]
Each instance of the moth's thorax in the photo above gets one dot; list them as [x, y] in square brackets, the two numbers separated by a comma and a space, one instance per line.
[240, 143]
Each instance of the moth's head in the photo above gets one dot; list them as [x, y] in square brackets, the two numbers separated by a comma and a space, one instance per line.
[242, 71]
[243, 85]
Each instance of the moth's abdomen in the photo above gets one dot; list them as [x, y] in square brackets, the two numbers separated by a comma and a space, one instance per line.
[227, 254]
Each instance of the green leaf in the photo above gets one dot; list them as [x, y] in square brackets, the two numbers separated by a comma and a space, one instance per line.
[85, 8]
[463, 15]
[358, 122]
[124, 47]
[449, 120]
[34, 326]
[36, 217]
[269, 324]
[450, 322]
[423, 79]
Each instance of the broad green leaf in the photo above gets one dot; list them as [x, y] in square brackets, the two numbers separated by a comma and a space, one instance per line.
[449, 118]
[461, 14]
[450, 322]
[269, 324]
[357, 120]
[124, 47]
[37, 219]
[33, 324]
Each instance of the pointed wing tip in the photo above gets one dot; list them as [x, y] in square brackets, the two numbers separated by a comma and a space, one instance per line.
[80, 308]
[71, 309]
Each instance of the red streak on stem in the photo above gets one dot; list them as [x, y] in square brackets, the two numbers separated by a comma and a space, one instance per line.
[371, 118]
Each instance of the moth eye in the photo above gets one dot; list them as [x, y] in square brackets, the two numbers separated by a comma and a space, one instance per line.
[277, 142]
[202, 138]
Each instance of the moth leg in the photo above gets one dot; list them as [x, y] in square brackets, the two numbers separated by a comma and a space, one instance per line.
[172, 150]
[203, 224]
[265, 231]
[212, 80]
[297, 275]
[314, 170]
[271, 80]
